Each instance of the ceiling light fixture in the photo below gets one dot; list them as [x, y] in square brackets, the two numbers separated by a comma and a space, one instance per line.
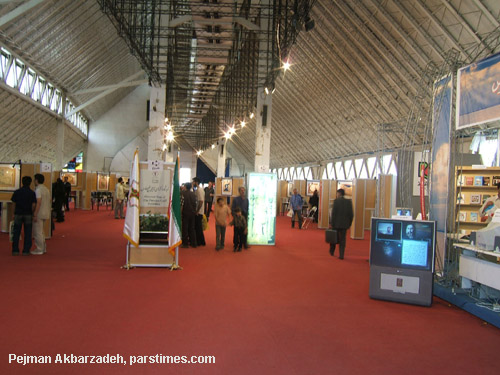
[243, 123]
[252, 115]
[266, 90]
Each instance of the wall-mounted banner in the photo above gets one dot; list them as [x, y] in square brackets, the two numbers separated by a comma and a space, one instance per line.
[478, 93]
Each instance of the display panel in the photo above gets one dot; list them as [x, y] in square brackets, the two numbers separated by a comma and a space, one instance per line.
[403, 243]
[404, 211]
[262, 192]
[10, 176]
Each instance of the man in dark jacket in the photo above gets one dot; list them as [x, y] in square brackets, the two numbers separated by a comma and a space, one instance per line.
[188, 216]
[341, 220]
[242, 202]
[25, 200]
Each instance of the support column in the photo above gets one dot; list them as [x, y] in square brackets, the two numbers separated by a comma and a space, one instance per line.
[263, 131]
[221, 158]
[61, 127]
[156, 122]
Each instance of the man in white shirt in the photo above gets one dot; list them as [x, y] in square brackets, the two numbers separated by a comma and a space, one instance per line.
[41, 215]
[200, 208]
[490, 206]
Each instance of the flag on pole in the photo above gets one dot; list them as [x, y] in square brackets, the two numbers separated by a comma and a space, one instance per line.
[131, 228]
[174, 212]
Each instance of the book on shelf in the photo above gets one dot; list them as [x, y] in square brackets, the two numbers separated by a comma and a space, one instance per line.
[486, 181]
[461, 180]
[475, 198]
[474, 217]
[460, 198]
[495, 180]
[469, 180]
[485, 197]
[478, 181]
[462, 216]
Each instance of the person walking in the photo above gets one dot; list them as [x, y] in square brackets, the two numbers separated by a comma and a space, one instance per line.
[341, 220]
[120, 197]
[67, 192]
[240, 229]
[200, 208]
[314, 202]
[222, 213]
[242, 203]
[296, 203]
[41, 215]
[188, 210]
[25, 202]
[209, 198]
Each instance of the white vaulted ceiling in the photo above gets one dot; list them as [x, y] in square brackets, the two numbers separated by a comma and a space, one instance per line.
[361, 66]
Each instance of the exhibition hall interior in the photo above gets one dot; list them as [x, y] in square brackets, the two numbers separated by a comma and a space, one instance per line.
[250, 186]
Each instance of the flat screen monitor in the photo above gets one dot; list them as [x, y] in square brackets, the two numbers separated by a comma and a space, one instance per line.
[408, 244]
[400, 211]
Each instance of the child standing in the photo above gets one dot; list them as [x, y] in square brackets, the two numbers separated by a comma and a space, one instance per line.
[221, 212]
[240, 229]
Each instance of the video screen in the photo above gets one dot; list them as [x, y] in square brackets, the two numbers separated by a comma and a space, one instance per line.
[389, 230]
[403, 212]
[411, 244]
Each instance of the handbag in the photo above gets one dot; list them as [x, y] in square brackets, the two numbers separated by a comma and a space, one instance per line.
[204, 223]
[331, 236]
[290, 212]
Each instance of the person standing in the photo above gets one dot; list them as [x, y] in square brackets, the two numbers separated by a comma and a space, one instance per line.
[341, 220]
[58, 196]
[209, 198]
[25, 202]
[296, 203]
[41, 215]
[241, 202]
[188, 203]
[222, 213]
[240, 229]
[67, 192]
[314, 202]
[198, 225]
[120, 197]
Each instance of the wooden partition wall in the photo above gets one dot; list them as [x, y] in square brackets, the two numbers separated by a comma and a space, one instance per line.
[328, 191]
[236, 183]
[301, 186]
[363, 201]
[386, 196]
[282, 196]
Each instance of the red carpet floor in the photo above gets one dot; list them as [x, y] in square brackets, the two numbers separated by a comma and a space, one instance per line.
[287, 309]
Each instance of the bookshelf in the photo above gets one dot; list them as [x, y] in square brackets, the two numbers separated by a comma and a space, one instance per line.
[474, 186]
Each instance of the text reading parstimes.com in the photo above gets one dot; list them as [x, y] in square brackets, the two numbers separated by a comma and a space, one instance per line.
[26, 360]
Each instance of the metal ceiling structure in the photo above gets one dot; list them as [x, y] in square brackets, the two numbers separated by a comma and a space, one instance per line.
[362, 65]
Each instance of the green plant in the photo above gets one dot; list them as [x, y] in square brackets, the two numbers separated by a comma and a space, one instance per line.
[153, 222]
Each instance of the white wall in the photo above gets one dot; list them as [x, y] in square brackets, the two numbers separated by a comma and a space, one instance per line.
[210, 156]
[117, 128]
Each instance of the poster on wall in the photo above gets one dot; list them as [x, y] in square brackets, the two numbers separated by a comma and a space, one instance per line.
[72, 177]
[102, 182]
[9, 177]
[347, 186]
[478, 93]
[312, 185]
[227, 186]
[420, 160]
[262, 193]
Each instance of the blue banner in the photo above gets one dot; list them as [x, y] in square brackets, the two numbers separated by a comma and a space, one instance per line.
[478, 93]
[440, 162]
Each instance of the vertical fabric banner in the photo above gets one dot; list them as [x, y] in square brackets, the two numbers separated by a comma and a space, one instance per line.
[174, 213]
[440, 164]
[131, 229]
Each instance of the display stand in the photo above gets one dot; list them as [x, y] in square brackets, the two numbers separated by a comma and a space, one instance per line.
[235, 183]
[474, 186]
[154, 199]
